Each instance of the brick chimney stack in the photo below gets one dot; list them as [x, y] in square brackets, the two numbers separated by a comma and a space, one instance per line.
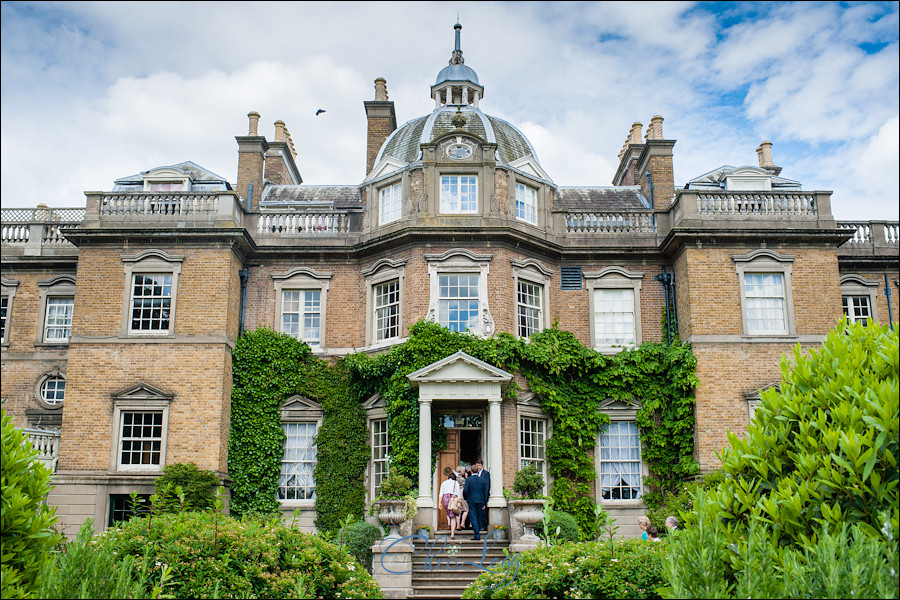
[628, 156]
[381, 119]
[648, 164]
[251, 160]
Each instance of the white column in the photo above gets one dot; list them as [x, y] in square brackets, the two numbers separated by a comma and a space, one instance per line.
[465, 95]
[425, 499]
[495, 458]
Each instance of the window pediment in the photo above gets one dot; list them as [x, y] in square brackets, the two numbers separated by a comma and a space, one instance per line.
[142, 391]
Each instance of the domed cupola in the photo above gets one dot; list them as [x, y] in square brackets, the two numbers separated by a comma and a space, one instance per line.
[457, 84]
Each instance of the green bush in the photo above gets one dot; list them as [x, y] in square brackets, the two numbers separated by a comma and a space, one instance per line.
[680, 503]
[86, 570]
[625, 569]
[555, 519]
[216, 556]
[26, 522]
[198, 487]
[820, 454]
[528, 482]
[394, 485]
[358, 538]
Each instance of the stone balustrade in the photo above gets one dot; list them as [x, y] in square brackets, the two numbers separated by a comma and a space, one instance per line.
[756, 203]
[154, 209]
[36, 228]
[871, 237]
[46, 444]
[314, 223]
[751, 209]
[601, 223]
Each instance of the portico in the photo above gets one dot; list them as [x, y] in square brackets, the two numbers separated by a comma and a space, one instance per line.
[460, 380]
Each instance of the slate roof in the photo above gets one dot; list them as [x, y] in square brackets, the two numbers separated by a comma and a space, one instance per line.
[403, 144]
[337, 196]
[600, 199]
[715, 180]
[202, 179]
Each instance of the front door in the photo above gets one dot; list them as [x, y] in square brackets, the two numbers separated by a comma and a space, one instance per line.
[448, 458]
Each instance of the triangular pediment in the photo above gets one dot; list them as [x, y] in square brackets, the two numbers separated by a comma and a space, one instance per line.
[611, 404]
[529, 399]
[458, 368]
[385, 166]
[374, 401]
[530, 166]
[300, 403]
[142, 391]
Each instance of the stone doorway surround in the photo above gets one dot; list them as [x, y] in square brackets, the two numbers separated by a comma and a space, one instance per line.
[454, 379]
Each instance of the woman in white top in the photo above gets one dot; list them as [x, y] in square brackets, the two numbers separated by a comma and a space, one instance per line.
[449, 489]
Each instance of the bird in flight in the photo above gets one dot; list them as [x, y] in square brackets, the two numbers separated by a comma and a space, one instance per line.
[320, 111]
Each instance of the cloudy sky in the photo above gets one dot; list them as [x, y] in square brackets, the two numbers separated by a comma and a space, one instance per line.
[96, 91]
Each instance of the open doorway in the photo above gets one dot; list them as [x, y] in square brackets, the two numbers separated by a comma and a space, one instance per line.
[464, 447]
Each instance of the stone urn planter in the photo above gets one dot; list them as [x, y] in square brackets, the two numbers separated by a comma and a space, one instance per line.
[393, 514]
[529, 513]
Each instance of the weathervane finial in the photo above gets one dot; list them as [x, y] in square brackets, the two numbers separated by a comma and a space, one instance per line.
[457, 57]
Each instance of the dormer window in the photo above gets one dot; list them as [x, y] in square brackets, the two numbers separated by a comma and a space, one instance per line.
[459, 194]
[166, 186]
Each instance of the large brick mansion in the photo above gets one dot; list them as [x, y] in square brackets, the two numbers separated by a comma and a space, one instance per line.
[119, 317]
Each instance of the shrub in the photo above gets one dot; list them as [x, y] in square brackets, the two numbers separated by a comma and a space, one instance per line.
[26, 522]
[821, 453]
[395, 486]
[358, 538]
[555, 519]
[528, 482]
[216, 556]
[198, 487]
[680, 503]
[86, 570]
[623, 569]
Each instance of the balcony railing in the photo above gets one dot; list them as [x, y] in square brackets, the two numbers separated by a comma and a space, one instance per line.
[319, 223]
[756, 203]
[159, 203]
[601, 223]
[35, 228]
[46, 443]
[871, 237]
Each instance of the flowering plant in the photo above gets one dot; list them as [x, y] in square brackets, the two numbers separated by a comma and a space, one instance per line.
[500, 527]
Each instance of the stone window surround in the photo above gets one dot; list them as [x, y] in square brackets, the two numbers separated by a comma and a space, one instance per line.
[303, 278]
[147, 400]
[149, 262]
[524, 410]
[614, 278]
[761, 261]
[754, 398]
[532, 271]
[56, 287]
[382, 271]
[166, 175]
[298, 409]
[857, 285]
[397, 180]
[39, 396]
[618, 411]
[460, 260]
[9, 287]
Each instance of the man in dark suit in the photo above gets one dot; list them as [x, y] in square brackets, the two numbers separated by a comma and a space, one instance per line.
[476, 493]
[483, 474]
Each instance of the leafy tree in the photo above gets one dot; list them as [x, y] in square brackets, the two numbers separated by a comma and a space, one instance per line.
[26, 522]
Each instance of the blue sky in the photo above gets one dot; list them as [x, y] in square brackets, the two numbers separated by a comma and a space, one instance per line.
[95, 91]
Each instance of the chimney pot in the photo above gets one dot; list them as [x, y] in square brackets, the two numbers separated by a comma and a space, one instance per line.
[634, 136]
[254, 123]
[654, 131]
[279, 131]
[764, 151]
[381, 93]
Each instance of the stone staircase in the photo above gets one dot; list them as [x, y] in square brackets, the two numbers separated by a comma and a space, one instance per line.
[443, 568]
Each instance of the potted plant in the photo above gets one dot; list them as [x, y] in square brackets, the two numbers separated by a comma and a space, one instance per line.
[500, 532]
[393, 502]
[423, 531]
[529, 506]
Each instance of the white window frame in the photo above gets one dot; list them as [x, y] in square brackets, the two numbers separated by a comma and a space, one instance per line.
[390, 203]
[166, 175]
[764, 262]
[383, 271]
[532, 272]
[39, 389]
[619, 411]
[856, 286]
[61, 286]
[536, 416]
[614, 278]
[300, 410]
[297, 280]
[140, 399]
[528, 213]
[459, 261]
[8, 287]
[381, 461]
[451, 200]
[149, 262]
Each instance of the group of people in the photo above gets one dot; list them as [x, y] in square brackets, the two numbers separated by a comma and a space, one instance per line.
[650, 531]
[464, 495]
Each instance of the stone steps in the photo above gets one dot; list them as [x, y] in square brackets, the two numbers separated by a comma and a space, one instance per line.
[438, 574]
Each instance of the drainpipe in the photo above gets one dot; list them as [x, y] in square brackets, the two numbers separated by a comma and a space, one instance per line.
[650, 187]
[674, 301]
[887, 292]
[250, 197]
[663, 278]
[244, 274]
